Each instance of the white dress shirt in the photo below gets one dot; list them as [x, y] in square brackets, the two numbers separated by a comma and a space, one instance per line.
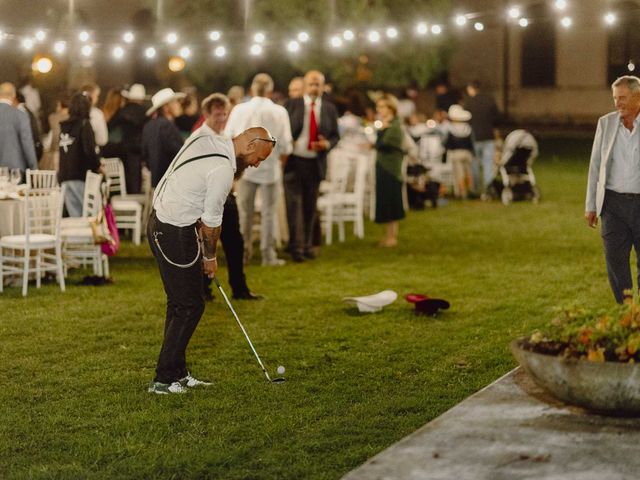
[624, 167]
[99, 125]
[301, 145]
[198, 189]
[262, 112]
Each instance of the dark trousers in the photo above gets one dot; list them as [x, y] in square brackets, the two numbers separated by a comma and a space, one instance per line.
[620, 231]
[183, 286]
[233, 246]
[301, 187]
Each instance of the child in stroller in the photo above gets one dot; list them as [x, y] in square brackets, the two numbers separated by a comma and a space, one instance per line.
[515, 179]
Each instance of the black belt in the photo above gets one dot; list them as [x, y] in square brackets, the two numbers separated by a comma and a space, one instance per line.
[625, 195]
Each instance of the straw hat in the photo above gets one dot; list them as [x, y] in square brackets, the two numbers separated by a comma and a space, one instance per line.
[163, 97]
[136, 92]
[458, 114]
[373, 303]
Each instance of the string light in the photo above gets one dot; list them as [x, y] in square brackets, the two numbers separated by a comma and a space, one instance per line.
[348, 35]
[117, 52]
[59, 47]
[436, 29]
[185, 52]
[303, 37]
[150, 52]
[392, 32]
[220, 51]
[610, 18]
[560, 4]
[259, 37]
[336, 42]
[631, 66]
[523, 22]
[513, 12]
[293, 46]
[373, 36]
[461, 20]
[86, 50]
[479, 26]
[171, 38]
[27, 43]
[214, 35]
[40, 35]
[83, 36]
[422, 28]
[256, 49]
[128, 37]
[566, 22]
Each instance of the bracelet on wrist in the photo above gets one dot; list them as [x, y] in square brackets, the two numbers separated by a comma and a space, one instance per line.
[206, 259]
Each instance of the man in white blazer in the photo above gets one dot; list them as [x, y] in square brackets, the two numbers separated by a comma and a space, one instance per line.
[613, 189]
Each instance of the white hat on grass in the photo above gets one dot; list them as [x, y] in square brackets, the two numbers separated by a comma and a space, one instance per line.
[373, 303]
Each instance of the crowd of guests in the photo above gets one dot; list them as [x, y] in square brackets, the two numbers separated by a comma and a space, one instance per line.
[143, 130]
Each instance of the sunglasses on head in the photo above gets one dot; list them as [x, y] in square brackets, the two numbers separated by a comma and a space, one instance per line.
[272, 140]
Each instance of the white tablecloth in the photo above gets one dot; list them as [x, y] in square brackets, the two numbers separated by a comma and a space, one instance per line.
[11, 217]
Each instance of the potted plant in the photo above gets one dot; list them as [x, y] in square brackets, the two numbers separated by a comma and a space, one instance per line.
[590, 359]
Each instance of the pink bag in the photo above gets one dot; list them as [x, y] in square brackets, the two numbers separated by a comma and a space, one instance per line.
[111, 247]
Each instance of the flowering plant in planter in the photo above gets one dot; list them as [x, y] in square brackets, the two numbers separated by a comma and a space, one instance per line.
[577, 333]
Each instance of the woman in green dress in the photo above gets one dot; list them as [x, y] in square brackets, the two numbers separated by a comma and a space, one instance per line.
[389, 181]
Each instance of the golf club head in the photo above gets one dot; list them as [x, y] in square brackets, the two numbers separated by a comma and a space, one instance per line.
[278, 380]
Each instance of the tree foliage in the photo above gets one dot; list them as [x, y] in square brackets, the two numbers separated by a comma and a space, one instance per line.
[406, 61]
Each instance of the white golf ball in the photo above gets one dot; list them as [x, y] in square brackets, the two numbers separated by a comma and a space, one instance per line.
[280, 370]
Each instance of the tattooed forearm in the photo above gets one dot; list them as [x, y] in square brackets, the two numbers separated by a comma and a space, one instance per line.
[210, 236]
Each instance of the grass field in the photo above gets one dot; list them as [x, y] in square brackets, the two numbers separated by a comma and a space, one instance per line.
[75, 366]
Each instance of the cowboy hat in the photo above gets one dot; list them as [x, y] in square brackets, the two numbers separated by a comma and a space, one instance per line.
[458, 114]
[373, 303]
[163, 97]
[425, 305]
[136, 92]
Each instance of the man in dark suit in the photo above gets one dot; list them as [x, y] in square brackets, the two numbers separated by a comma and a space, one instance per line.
[314, 126]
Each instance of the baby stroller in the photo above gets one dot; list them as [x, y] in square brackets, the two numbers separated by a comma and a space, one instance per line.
[515, 179]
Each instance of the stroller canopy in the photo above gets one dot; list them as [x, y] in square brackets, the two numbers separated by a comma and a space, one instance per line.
[519, 143]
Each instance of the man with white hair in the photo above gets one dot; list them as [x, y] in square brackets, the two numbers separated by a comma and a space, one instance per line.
[16, 141]
[613, 189]
[260, 110]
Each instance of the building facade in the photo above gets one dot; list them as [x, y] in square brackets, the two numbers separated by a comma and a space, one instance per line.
[559, 67]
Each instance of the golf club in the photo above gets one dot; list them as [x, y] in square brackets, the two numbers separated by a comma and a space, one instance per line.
[226, 299]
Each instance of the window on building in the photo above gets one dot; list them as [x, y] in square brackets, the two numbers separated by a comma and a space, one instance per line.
[539, 49]
[624, 41]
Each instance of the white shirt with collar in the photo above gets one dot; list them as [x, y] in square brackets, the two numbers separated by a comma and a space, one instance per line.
[262, 112]
[198, 189]
[624, 167]
[301, 145]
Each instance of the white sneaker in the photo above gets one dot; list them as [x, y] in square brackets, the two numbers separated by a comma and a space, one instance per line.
[166, 388]
[192, 382]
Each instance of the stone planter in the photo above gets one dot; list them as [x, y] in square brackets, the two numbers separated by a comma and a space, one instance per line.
[606, 387]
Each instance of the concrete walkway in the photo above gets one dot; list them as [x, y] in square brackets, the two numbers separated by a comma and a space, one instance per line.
[512, 430]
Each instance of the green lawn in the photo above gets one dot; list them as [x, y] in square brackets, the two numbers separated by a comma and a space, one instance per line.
[75, 366]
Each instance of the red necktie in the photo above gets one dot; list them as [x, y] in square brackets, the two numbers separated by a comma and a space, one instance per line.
[313, 125]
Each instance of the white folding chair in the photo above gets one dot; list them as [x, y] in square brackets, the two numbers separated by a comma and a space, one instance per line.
[31, 252]
[41, 179]
[126, 208]
[344, 202]
[78, 246]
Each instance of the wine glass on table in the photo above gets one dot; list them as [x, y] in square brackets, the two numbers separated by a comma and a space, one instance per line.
[4, 177]
[15, 177]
